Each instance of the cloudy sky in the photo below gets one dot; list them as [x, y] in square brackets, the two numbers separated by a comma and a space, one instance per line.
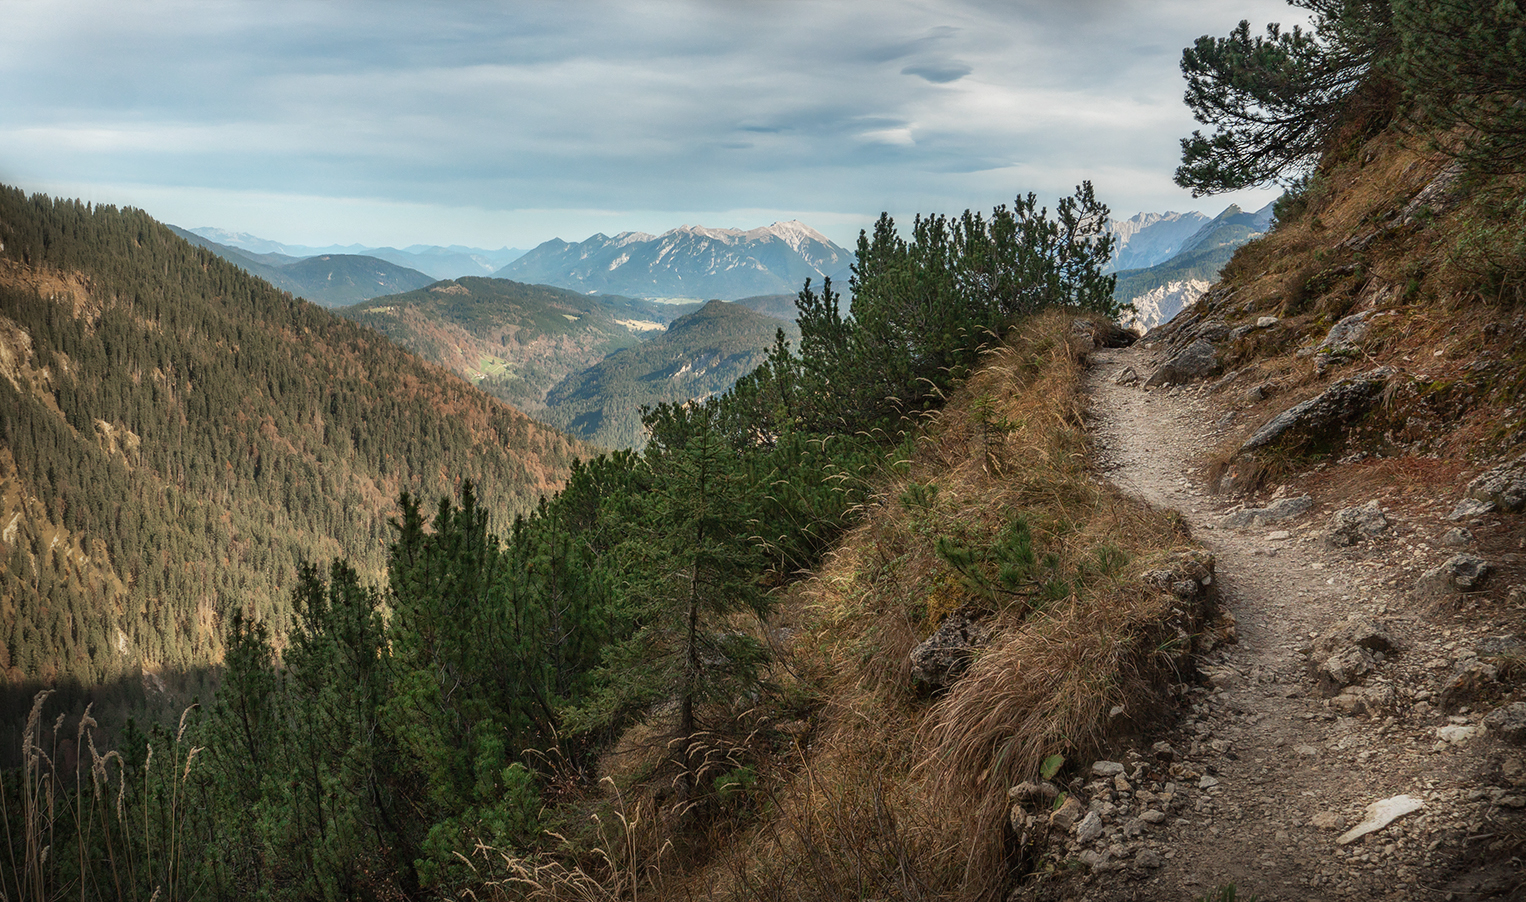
[508, 123]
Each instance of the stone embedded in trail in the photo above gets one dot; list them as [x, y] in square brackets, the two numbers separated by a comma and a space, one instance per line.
[1458, 733]
[1508, 723]
[1221, 677]
[1196, 360]
[1380, 814]
[1504, 487]
[1460, 573]
[1346, 653]
[945, 654]
[1374, 701]
[1277, 511]
[1344, 668]
[1128, 376]
[1339, 404]
[1457, 537]
[1473, 679]
[1107, 768]
[1355, 631]
[1469, 508]
[1353, 524]
[1090, 827]
[1093, 859]
[1067, 814]
[1028, 792]
[1148, 858]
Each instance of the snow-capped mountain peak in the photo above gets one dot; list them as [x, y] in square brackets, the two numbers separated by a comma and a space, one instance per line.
[689, 261]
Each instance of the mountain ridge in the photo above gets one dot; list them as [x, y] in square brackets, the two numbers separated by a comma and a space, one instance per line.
[1166, 288]
[330, 280]
[1146, 239]
[431, 259]
[686, 262]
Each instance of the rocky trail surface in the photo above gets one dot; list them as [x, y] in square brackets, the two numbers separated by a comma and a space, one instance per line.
[1344, 695]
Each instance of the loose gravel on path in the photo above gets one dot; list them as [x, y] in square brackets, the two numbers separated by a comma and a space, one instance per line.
[1264, 774]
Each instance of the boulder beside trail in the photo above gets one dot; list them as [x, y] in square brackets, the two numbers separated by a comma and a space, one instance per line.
[1509, 723]
[1340, 403]
[1458, 575]
[1354, 524]
[1277, 511]
[1196, 360]
[1500, 489]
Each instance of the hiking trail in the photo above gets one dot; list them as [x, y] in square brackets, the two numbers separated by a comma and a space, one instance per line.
[1265, 772]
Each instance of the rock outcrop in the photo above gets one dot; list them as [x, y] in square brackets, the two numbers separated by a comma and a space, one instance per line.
[1458, 575]
[1196, 361]
[1500, 489]
[1337, 405]
[939, 660]
[1353, 525]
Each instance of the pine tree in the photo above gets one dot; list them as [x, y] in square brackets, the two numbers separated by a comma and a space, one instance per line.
[1460, 63]
[1274, 100]
[690, 565]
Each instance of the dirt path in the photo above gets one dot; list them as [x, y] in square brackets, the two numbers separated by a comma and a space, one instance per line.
[1267, 774]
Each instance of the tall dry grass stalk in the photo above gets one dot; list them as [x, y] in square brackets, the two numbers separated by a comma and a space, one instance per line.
[114, 854]
[620, 866]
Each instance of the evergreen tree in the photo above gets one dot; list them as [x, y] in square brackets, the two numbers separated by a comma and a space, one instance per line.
[1274, 100]
[1460, 63]
[460, 712]
[690, 564]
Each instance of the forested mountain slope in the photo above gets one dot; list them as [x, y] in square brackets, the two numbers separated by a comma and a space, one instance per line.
[514, 341]
[701, 354]
[176, 436]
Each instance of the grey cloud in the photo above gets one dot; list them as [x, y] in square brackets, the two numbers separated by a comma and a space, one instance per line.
[653, 105]
[939, 73]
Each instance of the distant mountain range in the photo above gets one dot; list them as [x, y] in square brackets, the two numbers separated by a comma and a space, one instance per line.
[1150, 238]
[330, 280]
[430, 259]
[1163, 289]
[687, 262]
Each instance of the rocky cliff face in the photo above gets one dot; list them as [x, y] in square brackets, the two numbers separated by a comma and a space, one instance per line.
[1146, 239]
[1159, 305]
